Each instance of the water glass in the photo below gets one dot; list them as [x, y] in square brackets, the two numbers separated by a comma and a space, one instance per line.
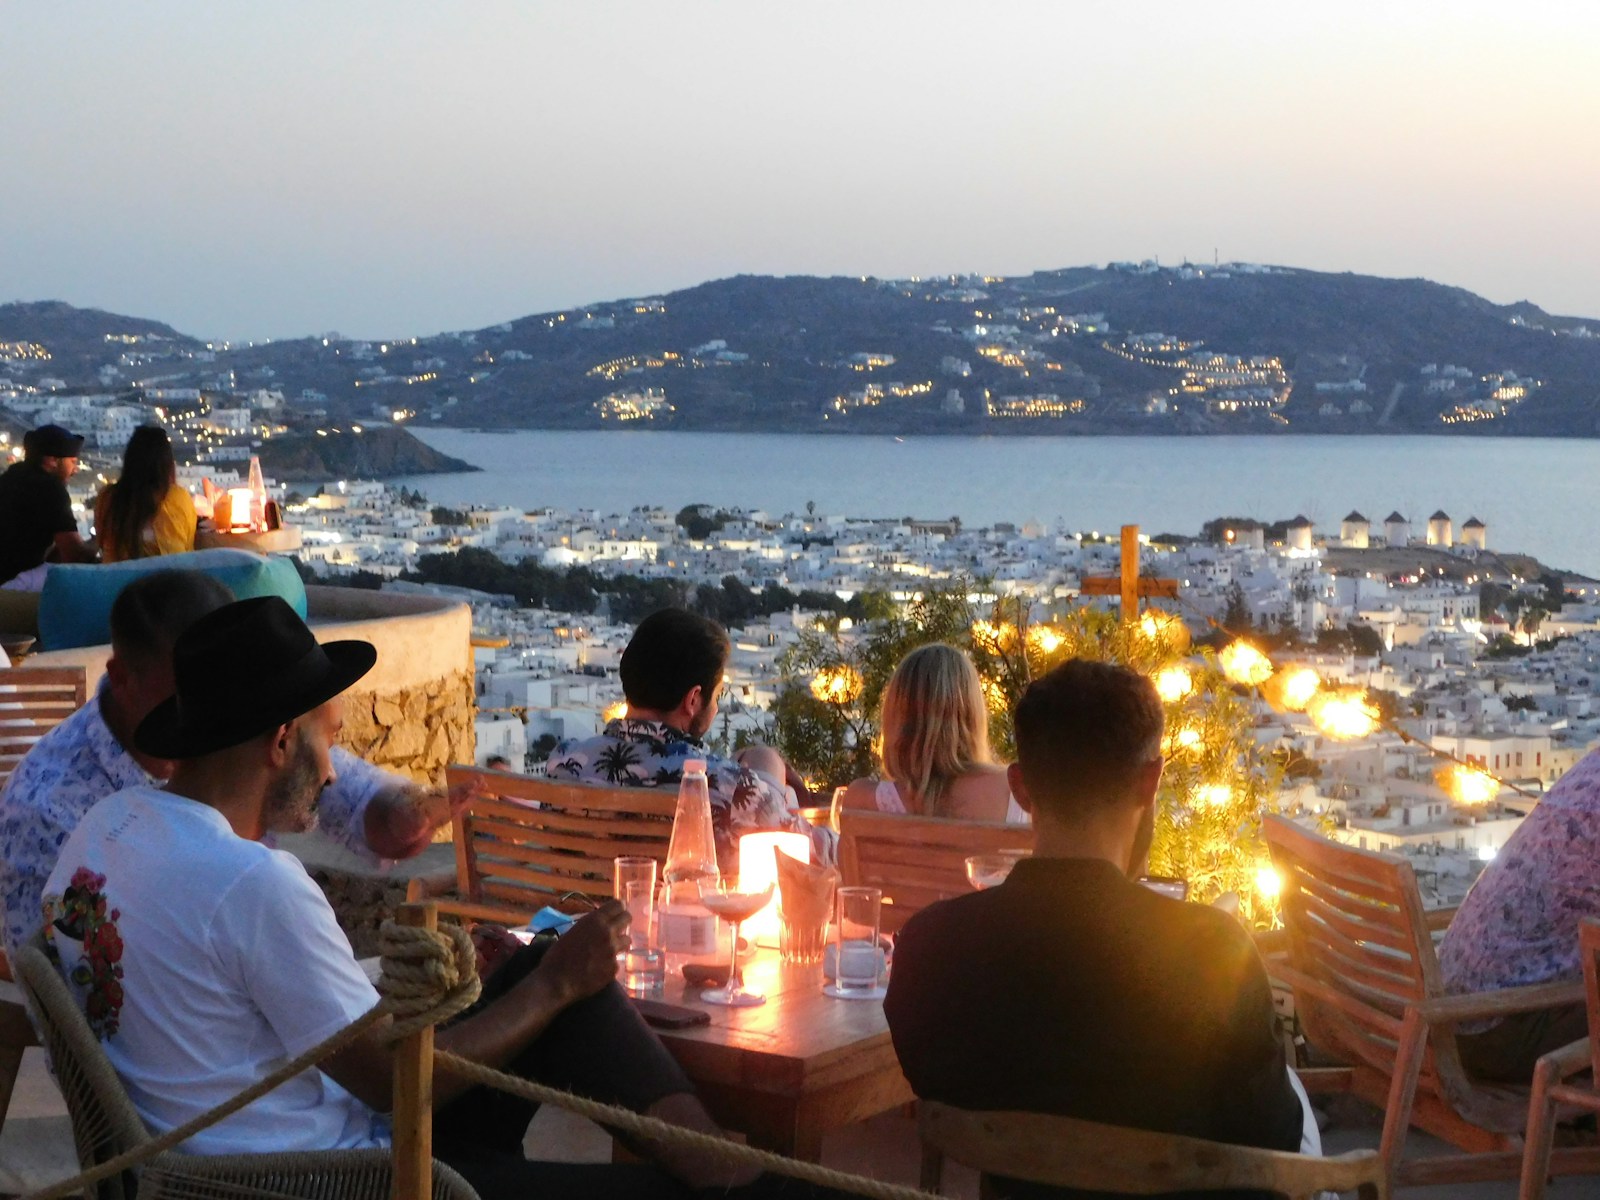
[859, 957]
[642, 966]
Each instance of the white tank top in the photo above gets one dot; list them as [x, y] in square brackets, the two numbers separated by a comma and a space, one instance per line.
[887, 797]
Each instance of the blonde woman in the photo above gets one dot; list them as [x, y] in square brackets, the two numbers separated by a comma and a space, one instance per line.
[935, 745]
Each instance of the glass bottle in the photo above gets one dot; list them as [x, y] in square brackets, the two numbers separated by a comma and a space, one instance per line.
[687, 929]
[258, 496]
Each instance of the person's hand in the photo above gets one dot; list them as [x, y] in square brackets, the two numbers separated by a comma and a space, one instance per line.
[584, 958]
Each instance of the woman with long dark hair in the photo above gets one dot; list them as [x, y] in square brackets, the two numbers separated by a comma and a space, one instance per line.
[145, 513]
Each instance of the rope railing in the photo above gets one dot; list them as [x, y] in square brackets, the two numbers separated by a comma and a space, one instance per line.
[428, 976]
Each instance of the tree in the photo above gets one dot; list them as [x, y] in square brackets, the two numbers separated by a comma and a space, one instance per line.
[1218, 781]
[1236, 616]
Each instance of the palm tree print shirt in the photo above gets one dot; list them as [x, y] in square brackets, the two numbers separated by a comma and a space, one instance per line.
[635, 753]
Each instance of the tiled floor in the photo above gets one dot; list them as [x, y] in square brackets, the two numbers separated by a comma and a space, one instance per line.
[36, 1147]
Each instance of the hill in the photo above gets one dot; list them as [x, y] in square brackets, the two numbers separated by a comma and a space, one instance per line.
[377, 452]
[1128, 348]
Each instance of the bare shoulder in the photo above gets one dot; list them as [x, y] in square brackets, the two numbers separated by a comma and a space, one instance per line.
[861, 794]
[981, 794]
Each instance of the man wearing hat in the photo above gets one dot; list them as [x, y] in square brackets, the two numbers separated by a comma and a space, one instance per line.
[204, 960]
[36, 520]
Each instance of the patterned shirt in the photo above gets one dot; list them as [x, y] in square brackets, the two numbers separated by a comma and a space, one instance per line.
[1519, 923]
[636, 753]
[80, 762]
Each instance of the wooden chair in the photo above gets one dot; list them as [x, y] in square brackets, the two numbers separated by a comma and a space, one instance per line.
[917, 860]
[33, 701]
[1067, 1152]
[1553, 1079]
[105, 1125]
[1368, 992]
[529, 843]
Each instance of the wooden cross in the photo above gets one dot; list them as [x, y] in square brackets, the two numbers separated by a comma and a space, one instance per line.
[1129, 585]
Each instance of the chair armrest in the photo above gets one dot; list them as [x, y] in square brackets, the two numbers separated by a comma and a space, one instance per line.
[1448, 1010]
[430, 886]
[1439, 918]
[511, 918]
[1569, 1059]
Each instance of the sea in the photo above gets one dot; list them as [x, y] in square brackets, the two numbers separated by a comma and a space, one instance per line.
[1537, 496]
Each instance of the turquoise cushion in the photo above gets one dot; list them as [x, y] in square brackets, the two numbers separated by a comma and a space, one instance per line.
[75, 605]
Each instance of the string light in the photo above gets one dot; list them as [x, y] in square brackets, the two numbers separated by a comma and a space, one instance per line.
[616, 712]
[998, 637]
[1344, 715]
[1044, 639]
[837, 685]
[1269, 883]
[1213, 795]
[1242, 663]
[1174, 683]
[1291, 689]
[1166, 628]
[1470, 786]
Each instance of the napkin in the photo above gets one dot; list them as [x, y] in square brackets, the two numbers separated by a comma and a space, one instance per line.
[805, 892]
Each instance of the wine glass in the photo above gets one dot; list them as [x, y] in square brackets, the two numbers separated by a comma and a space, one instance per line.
[985, 871]
[727, 900]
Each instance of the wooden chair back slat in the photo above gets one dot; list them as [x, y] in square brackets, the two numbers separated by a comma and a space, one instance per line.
[33, 701]
[1070, 1153]
[527, 842]
[916, 860]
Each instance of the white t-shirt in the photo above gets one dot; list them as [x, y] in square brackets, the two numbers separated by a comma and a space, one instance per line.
[232, 964]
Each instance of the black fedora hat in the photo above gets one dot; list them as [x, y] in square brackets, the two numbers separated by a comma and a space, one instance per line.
[243, 670]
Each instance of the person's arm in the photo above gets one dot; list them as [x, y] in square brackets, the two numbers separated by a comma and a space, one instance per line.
[581, 963]
[70, 548]
[862, 793]
[376, 813]
[1259, 1106]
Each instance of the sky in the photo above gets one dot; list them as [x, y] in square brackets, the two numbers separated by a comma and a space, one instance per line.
[385, 168]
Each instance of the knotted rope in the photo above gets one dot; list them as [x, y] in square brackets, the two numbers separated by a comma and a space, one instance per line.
[428, 977]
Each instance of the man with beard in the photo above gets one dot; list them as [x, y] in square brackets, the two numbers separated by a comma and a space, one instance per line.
[672, 678]
[205, 960]
[369, 811]
[1071, 989]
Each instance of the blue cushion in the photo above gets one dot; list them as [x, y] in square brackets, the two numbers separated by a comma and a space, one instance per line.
[75, 605]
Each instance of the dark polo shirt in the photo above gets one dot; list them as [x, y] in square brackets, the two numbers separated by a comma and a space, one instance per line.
[34, 507]
[1071, 989]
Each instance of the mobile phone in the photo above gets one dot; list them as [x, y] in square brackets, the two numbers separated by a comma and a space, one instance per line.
[1167, 885]
[671, 1016]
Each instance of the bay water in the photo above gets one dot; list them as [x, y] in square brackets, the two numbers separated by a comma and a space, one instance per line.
[1537, 496]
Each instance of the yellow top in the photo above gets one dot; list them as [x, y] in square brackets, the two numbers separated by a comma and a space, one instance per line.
[171, 530]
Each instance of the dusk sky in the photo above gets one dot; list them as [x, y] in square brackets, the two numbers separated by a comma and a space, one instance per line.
[396, 167]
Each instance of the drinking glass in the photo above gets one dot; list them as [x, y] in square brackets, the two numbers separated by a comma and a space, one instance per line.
[733, 905]
[642, 965]
[985, 871]
[856, 968]
[833, 811]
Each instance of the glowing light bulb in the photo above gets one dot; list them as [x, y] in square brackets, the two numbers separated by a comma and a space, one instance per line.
[1344, 715]
[1174, 683]
[1166, 628]
[1213, 795]
[1269, 883]
[837, 685]
[1045, 640]
[617, 711]
[1244, 664]
[1471, 786]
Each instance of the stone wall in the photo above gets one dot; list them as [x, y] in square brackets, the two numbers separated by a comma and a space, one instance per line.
[413, 712]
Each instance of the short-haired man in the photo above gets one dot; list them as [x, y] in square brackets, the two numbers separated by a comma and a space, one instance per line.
[1518, 927]
[672, 674]
[1070, 988]
[205, 960]
[36, 520]
[92, 754]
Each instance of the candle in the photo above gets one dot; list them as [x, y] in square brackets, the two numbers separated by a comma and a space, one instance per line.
[758, 867]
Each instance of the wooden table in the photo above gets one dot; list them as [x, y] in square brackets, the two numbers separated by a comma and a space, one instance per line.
[799, 1065]
[273, 541]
